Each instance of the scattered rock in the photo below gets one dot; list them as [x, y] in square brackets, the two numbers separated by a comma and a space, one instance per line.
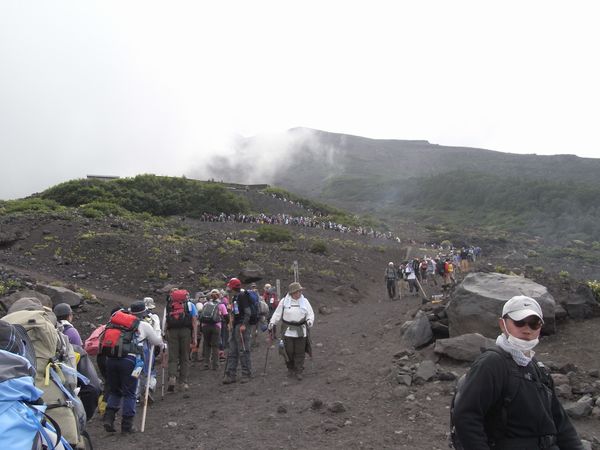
[336, 407]
[463, 348]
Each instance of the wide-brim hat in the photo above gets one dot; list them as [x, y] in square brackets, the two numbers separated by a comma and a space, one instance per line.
[294, 287]
[149, 302]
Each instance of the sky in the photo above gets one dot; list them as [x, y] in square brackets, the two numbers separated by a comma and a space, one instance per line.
[129, 87]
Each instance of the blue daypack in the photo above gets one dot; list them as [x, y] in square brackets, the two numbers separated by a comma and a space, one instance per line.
[23, 423]
[254, 306]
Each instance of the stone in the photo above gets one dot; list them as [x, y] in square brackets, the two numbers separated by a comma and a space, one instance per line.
[8, 301]
[477, 303]
[563, 390]
[59, 294]
[416, 333]
[336, 407]
[560, 378]
[400, 392]
[581, 408]
[463, 348]
[281, 409]
[426, 371]
[316, 403]
[404, 378]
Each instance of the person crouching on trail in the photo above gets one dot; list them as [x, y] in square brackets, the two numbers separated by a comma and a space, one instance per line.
[297, 317]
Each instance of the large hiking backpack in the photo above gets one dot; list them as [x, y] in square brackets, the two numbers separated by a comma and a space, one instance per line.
[92, 344]
[210, 313]
[178, 313]
[119, 336]
[510, 390]
[254, 307]
[56, 372]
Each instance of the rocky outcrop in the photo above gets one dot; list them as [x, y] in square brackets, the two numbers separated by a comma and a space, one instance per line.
[416, 333]
[8, 301]
[463, 348]
[478, 301]
[59, 294]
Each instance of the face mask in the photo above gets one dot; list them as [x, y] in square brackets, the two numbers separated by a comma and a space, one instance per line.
[520, 344]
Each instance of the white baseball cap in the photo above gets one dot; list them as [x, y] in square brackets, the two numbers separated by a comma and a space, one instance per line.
[521, 306]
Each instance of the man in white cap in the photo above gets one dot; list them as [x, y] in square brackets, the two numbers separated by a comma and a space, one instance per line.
[507, 400]
[297, 317]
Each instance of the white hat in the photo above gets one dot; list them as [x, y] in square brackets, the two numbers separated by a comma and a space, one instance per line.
[521, 306]
[149, 302]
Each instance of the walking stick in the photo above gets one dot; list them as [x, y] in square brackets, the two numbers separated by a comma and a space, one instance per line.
[267, 355]
[162, 388]
[147, 388]
[242, 339]
[423, 294]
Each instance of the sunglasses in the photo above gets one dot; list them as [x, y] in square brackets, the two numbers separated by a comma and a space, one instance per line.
[534, 324]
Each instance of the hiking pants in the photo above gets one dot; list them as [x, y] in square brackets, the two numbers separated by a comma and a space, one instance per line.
[413, 284]
[121, 385]
[210, 344]
[179, 340]
[295, 349]
[224, 342]
[391, 287]
[236, 351]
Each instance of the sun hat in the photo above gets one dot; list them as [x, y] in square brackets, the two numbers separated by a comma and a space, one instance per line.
[294, 287]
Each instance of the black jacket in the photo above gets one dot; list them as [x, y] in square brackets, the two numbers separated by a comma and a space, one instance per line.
[532, 411]
[244, 311]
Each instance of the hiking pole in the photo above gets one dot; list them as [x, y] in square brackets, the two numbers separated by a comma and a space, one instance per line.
[242, 339]
[147, 388]
[162, 387]
[423, 294]
[267, 355]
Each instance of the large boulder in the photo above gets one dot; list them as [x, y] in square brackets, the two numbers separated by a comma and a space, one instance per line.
[59, 294]
[8, 301]
[463, 348]
[251, 273]
[416, 333]
[477, 303]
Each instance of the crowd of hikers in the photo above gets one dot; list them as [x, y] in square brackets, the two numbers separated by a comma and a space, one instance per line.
[417, 271]
[49, 387]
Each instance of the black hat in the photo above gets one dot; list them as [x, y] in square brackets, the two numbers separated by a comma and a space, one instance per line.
[138, 307]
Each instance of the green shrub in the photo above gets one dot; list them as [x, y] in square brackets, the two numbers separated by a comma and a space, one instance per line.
[538, 269]
[594, 285]
[318, 247]
[532, 254]
[97, 209]
[272, 233]
[563, 274]
[233, 243]
[501, 269]
[29, 205]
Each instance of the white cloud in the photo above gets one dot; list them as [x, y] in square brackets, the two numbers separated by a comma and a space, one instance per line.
[146, 86]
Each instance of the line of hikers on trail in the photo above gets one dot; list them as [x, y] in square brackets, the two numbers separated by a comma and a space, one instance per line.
[302, 221]
[49, 387]
[421, 271]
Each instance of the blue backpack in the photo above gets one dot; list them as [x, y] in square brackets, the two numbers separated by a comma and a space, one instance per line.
[254, 306]
[23, 423]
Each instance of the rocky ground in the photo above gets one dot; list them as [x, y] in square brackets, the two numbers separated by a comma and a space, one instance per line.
[350, 397]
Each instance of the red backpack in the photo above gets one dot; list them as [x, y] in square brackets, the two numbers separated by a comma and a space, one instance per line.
[178, 315]
[118, 338]
[92, 344]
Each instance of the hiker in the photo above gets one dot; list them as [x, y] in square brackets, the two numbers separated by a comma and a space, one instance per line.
[239, 338]
[153, 318]
[254, 321]
[122, 344]
[210, 320]
[390, 276]
[180, 325]
[140, 310]
[225, 324]
[508, 399]
[272, 300]
[297, 318]
[64, 316]
[411, 278]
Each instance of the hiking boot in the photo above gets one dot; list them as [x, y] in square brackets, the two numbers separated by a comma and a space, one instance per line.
[228, 379]
[171, 386]
[205, 367]
[299, 376]
[127, 425]
[245, 379]
[109, 420]
[291, 373]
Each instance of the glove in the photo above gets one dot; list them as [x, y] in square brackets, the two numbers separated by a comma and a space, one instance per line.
[270, 326]
[309, 323]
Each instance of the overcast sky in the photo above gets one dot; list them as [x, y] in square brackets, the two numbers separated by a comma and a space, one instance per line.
[127, 87]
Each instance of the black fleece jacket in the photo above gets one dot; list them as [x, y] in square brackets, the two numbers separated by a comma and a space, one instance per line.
[533, 411]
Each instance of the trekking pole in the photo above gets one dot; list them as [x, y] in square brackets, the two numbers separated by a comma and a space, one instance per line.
[162, 387]
[423, 294]
[242, 339]
[147, 391]
[267, 355]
